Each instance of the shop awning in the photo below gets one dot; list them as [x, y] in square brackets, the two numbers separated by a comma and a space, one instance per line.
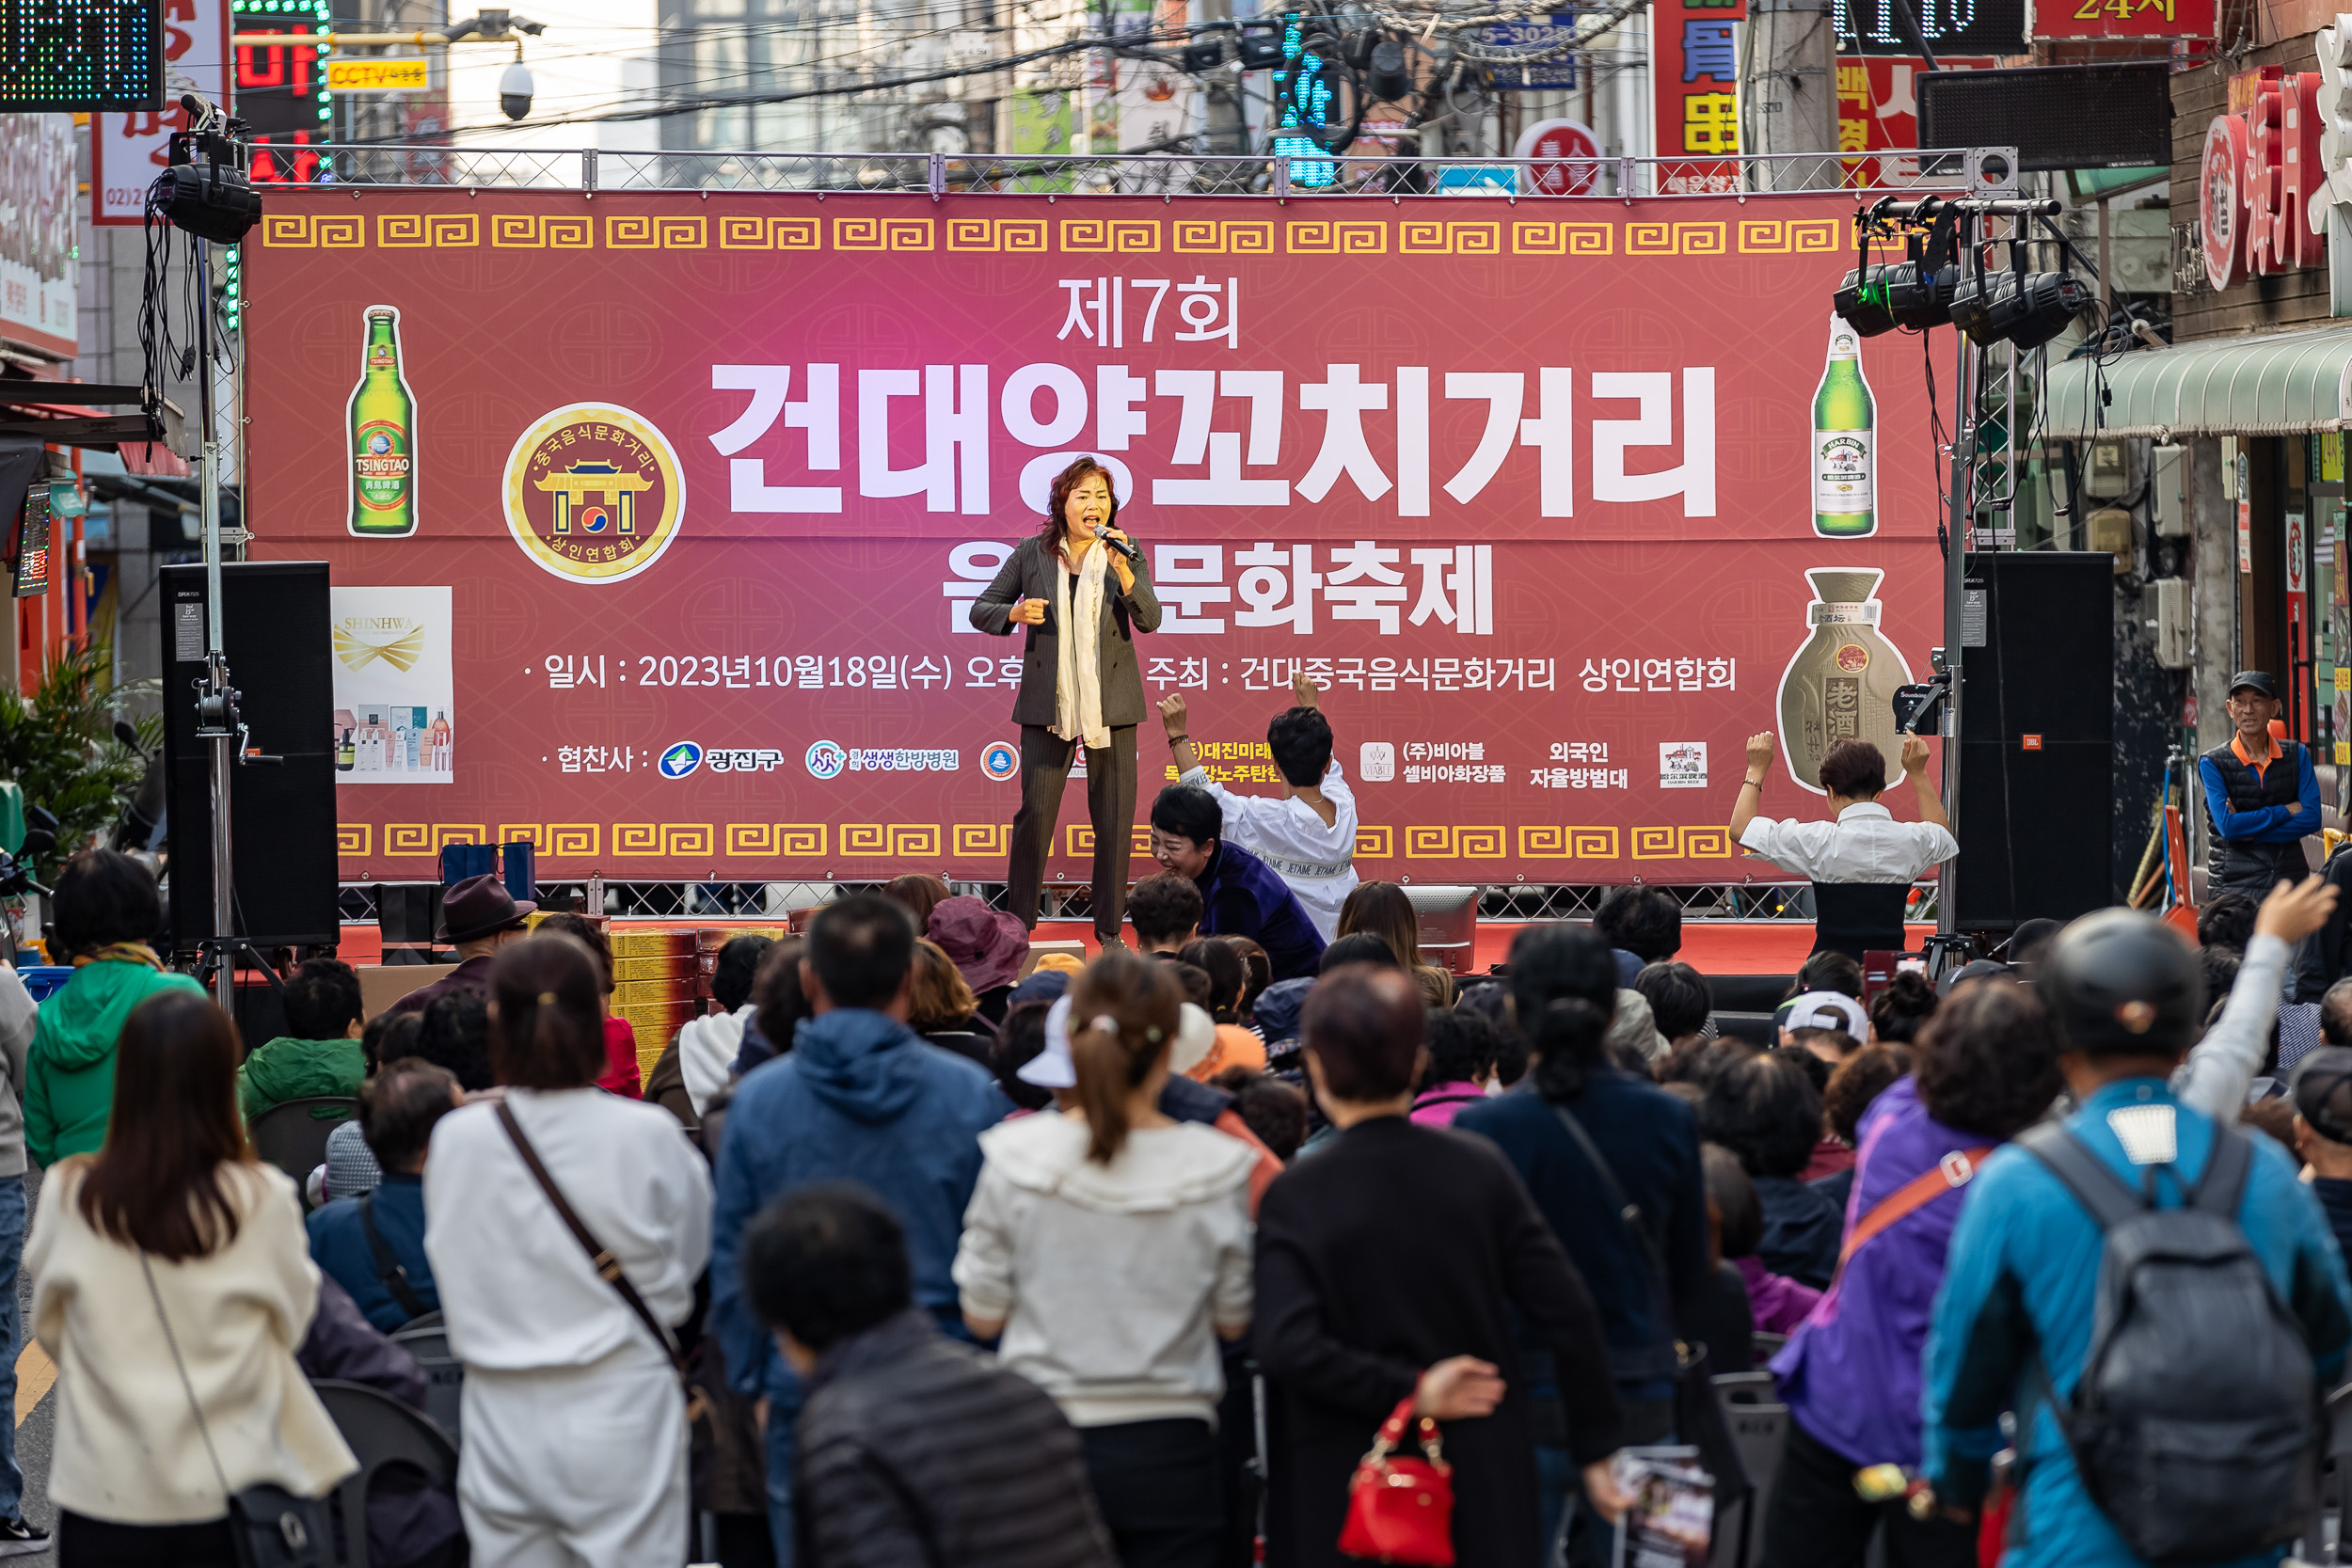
[2283, 385]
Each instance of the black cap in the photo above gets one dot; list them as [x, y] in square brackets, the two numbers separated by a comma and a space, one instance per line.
[2122, 982]
[2322, 1087]
[2259, 679]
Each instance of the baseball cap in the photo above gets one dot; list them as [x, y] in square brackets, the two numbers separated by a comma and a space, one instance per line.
[1196, 1037]
[2323, 1092]
[1828, 1010]
[1051, 1067]
[2259, 679]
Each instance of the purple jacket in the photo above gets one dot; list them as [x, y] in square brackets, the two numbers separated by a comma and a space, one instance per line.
[1850, 1372]
[1776, 1303]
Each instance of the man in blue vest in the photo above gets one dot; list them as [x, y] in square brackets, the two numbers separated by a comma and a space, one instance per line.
[2261, 793]
[1240, 895]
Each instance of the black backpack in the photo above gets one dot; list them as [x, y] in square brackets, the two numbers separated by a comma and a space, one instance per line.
[2195, 1424]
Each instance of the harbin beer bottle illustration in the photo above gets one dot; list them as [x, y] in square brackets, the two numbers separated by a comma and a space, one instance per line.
[1845, 453]
[1841, 685]
[383, 435]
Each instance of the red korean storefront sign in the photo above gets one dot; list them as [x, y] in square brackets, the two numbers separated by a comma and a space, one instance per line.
[2261, 174]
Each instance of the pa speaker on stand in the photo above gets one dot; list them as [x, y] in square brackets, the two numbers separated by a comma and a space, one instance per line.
[274, 623]
[2037, 738]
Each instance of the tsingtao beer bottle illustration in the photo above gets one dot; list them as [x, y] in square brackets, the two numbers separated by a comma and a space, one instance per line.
[383, 419]
[1844, 451]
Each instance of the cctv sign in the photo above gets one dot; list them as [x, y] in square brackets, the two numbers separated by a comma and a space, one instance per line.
[378, 73]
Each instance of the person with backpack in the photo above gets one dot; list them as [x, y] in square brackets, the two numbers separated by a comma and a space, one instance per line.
[2154, 1294]
[1987, 1068]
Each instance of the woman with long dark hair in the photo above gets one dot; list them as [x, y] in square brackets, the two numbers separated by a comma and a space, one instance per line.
[1109, 1245]
[575, 1423]
[1573, 1114]
[172, 1285]
[1075, 691]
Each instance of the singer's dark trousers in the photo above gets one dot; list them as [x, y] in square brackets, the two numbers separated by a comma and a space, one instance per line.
[1045, 760]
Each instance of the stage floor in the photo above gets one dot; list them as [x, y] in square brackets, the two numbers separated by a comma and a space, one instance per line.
[1711, 946]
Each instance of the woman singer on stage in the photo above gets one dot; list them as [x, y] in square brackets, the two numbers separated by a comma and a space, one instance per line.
[1087, 688]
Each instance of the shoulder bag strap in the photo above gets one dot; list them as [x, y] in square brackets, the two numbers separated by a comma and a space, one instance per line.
[607, 1266]
[388, 1265]
[1629, 1213]
[1953, 1171]
[172, 1342]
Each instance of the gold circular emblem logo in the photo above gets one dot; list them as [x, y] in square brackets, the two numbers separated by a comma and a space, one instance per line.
[594, 492]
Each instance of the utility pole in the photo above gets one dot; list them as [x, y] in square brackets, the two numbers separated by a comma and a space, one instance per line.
[1789, 98]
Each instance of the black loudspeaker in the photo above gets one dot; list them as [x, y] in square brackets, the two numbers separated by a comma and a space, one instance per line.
[2037, 738]
[274, 626]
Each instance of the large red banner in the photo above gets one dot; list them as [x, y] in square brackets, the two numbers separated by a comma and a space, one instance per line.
[655, 520]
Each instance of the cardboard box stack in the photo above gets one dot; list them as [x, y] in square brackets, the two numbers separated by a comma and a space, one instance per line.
[654, 987]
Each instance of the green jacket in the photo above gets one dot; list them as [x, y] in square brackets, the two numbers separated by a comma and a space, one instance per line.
[298, 1069]
[69, 1071]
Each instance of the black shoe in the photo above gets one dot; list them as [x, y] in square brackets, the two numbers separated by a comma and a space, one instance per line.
[19, 1539]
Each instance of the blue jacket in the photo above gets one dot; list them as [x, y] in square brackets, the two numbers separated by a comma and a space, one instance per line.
[1242, 896]
[339, 1245]
[1651, 1142]
[2263, 824]
[2022, 1273]
[859, 1098]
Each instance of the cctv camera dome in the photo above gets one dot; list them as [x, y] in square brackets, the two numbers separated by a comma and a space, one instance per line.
[514, 90]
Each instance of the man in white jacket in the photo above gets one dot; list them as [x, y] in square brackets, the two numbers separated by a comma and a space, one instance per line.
[1307, 832]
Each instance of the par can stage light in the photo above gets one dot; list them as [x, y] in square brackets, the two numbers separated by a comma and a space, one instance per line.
[2027, 308]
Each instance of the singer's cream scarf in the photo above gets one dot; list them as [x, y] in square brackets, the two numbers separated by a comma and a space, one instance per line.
[1078, 680]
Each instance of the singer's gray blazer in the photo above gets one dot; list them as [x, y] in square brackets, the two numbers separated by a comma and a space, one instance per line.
[1030, 575]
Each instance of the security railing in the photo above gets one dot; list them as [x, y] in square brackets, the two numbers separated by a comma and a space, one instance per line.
[937, 175]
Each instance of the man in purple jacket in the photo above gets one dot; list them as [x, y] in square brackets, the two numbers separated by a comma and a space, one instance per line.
[1987, 1068]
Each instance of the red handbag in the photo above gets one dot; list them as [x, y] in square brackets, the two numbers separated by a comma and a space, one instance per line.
[1401, 1510]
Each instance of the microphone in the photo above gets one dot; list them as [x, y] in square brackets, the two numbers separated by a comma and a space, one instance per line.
[1120, 544]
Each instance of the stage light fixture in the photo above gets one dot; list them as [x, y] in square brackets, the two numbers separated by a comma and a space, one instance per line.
[1861, 302]
[1389, 81]
[211, 199]
[2027, 308]
[1919, 297]
[1205, 56]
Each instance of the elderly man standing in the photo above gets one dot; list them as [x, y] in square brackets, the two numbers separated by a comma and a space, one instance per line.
[2261, 793]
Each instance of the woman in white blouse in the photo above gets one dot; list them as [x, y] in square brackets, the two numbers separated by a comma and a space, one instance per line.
[574, 1422]
[171, 1284]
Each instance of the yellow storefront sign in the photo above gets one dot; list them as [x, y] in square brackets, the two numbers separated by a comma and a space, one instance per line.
[378, 73]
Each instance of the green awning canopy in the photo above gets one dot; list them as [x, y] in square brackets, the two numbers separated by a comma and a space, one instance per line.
[2287, 384]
